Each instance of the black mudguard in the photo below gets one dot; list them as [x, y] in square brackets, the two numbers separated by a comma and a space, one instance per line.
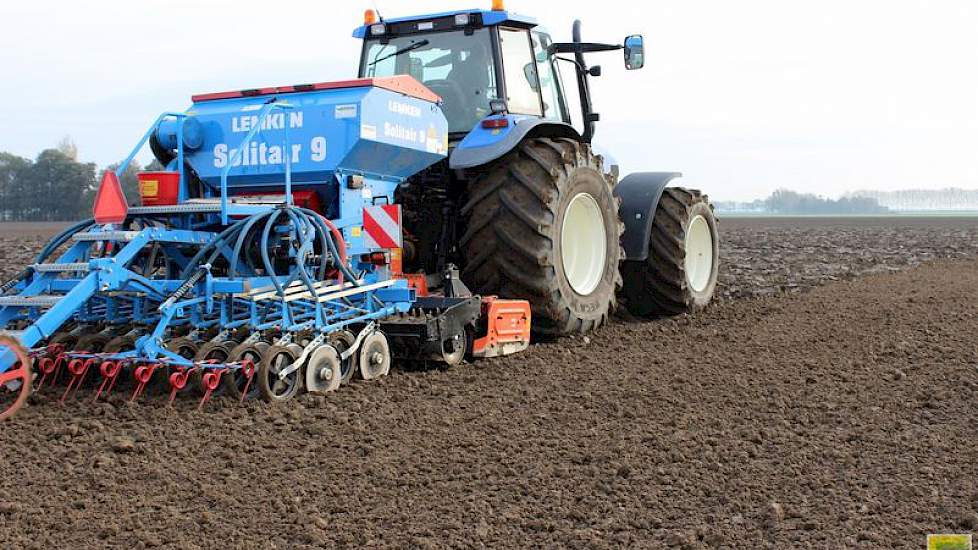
[523, 128]
[640, 193]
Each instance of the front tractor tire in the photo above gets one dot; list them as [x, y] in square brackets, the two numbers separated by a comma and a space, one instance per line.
[542, 225]
[680, 274]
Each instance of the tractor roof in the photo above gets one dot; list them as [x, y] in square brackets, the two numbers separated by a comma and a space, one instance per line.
[488, 17]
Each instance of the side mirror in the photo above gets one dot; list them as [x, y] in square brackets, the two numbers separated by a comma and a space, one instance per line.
[416, 68]
[530, 72]
[634, 52]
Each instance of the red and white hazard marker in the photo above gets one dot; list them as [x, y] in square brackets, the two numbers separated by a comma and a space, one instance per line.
[382, 227]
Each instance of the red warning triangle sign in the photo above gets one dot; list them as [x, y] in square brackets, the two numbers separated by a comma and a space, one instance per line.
[110, 201]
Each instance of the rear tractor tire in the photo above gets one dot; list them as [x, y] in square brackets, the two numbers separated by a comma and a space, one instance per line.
[542, 225]
[680, 274]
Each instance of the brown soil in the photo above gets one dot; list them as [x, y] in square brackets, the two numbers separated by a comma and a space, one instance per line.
[765, 256]
[840, 417]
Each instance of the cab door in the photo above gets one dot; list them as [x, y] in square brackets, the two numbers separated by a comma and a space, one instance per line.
[551, 89]
[520, 79]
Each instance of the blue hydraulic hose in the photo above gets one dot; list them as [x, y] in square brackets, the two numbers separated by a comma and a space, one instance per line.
[241, 239]
[224, 235]
[62, 237]
[344, 269]
[263, 245]
[308, 234]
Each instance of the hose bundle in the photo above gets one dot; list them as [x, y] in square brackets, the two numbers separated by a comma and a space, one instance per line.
[310, 229]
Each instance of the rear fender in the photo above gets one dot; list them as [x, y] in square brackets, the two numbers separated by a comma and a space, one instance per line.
[484, 145]
[640, 193]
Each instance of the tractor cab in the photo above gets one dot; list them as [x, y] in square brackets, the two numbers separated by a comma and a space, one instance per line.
[469, 59]
[480, 62]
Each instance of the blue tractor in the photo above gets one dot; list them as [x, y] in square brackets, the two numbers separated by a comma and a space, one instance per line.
[522, 203]
[440, 206]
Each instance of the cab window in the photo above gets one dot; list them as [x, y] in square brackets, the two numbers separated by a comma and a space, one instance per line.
[520, 72]
[553, 107]
[456, 66]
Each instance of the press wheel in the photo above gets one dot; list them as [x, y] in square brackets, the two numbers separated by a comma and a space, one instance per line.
[276, 359]
[375, 356]
[235, 381]
[323, 371]
[215, 352]
[342, 341]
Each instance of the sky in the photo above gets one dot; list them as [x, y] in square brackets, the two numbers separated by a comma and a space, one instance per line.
[742, 97]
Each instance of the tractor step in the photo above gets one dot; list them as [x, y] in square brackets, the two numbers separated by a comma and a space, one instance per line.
[116, 236]
[61, 268]
[41, 300]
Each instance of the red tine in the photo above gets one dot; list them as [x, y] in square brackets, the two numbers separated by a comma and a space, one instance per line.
[110, 370]
[178, 381]
[143, 375]
[248, 369]
[211, 381]
[78, 368]
[59, 364]
[115, 378]
[46, 366]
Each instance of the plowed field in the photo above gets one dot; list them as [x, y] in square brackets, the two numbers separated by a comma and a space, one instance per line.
[829, 400]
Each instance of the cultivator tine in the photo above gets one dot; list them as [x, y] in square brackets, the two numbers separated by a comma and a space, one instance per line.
[248, 369]
[211, 381]
[46, 366]
[143, 375]
[78, 369]
[110, 373]
[178, 381]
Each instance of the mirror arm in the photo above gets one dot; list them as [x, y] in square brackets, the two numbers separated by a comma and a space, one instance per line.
[582, 47]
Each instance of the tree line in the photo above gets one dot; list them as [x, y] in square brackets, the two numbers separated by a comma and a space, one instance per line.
[783, 201]
[55, 186]
[949, 199]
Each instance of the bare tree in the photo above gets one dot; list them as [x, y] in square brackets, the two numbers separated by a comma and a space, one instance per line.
[68, 148]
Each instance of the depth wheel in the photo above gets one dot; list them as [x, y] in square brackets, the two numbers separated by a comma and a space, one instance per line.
[184, 347]
[217, 352]
[16, 381]
[375, 356]
[69, 338]
[454, 349]
[120, 344]
[323, 371]
[234, 382]
[342, 341]
[272, 387]
[94, 343]
[680, 274]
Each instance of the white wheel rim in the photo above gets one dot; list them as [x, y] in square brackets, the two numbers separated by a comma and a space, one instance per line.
[583, 244]
[699, 253]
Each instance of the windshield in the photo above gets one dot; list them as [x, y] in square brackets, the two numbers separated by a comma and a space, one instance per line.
[457, 67]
